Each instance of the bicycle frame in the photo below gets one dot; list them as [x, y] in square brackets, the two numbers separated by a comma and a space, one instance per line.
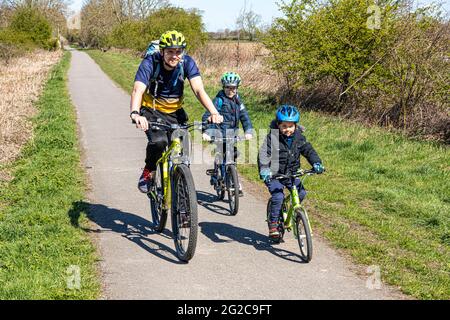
[295, 204]
[227, 155]
[167, 164]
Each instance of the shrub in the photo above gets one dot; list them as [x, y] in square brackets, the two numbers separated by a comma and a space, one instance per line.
[52, 44]
[31, 22]
[384, 64]
[13, 44]
[129, 34]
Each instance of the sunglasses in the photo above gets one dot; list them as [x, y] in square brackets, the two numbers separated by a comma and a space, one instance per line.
[231, 88]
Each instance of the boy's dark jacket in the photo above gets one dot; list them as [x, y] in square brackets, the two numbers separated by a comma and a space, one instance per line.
[288, 159]
[232, 111]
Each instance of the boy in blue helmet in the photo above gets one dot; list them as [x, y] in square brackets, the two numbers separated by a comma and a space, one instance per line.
[230, 107]
[280, 154]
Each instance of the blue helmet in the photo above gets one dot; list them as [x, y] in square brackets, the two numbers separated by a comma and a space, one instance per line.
[288, 113]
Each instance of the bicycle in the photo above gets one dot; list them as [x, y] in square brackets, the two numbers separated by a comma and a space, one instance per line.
[224, 176]
[173, 189]
[294, 213]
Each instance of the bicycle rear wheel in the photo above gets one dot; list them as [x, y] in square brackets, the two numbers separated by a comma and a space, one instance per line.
[184, 213]
[232, 184]
[156, 196]
[303, 235]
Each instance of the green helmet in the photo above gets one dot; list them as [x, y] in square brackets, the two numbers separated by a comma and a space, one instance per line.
[172, 39]
[231, 79]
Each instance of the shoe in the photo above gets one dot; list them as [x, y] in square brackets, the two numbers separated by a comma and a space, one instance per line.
[274, 233]
[145, 180]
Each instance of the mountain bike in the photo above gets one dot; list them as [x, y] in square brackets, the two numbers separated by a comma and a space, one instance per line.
[294, 216]
[224, 176]
[173, 189]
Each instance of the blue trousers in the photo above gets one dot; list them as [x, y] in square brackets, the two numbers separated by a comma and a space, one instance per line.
[276, 188]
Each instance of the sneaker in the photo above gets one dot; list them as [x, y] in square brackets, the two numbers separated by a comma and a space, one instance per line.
[241, 193]
[145, 180]
[274, 233]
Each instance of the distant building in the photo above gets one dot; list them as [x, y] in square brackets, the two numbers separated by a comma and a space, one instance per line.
[74, 22]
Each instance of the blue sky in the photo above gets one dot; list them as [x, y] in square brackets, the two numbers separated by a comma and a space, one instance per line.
[222, 14]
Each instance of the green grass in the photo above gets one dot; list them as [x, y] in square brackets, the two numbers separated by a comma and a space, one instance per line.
[385, 199]
[40, 215]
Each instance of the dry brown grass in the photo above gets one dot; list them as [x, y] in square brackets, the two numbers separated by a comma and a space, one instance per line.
[217, 57]
[21, 82]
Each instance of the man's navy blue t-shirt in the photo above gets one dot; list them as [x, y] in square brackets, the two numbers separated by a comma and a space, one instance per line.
[168, 97]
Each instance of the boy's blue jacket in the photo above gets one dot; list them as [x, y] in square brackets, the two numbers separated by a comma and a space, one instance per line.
[276, 155]
[233, 111]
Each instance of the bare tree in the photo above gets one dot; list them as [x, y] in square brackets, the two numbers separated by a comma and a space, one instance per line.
[248, 21]
[143, 8]
[134, 9]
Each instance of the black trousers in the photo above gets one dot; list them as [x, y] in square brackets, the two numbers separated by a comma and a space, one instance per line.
[158, 140]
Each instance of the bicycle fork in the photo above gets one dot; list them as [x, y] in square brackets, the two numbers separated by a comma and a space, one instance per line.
[295, 205]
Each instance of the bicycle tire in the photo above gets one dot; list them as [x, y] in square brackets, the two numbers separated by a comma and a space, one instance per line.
[159, 215]
[184, 213]
[304, 238]
[232, 185]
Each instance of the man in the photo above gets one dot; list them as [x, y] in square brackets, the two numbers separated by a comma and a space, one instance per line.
[158, 94]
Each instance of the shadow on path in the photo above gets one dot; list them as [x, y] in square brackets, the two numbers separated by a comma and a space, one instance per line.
[209, 201]
[130, 226]
[217, 231]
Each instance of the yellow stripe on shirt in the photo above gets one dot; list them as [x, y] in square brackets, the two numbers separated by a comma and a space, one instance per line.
[165, 105]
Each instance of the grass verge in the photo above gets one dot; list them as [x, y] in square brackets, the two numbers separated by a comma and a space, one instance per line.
[385, 199]
[43, 252]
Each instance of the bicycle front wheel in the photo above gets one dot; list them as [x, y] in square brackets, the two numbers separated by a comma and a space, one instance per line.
[232, 184]
[184, 213]
[303, 235]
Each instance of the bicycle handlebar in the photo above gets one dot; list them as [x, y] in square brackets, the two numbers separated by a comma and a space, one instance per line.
[299, 174]
[237, 139]
[172, 127]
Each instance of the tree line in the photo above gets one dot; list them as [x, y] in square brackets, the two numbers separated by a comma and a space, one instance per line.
[29, 24]
[133, 24]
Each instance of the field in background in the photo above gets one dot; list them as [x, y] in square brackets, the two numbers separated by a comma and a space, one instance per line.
[21, 82]
[245, 58]
[384, 199]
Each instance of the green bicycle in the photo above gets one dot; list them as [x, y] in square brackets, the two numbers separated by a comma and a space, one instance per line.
[173, 189]
[293, 213]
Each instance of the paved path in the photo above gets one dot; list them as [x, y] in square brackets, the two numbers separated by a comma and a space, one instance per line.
[233, 259]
